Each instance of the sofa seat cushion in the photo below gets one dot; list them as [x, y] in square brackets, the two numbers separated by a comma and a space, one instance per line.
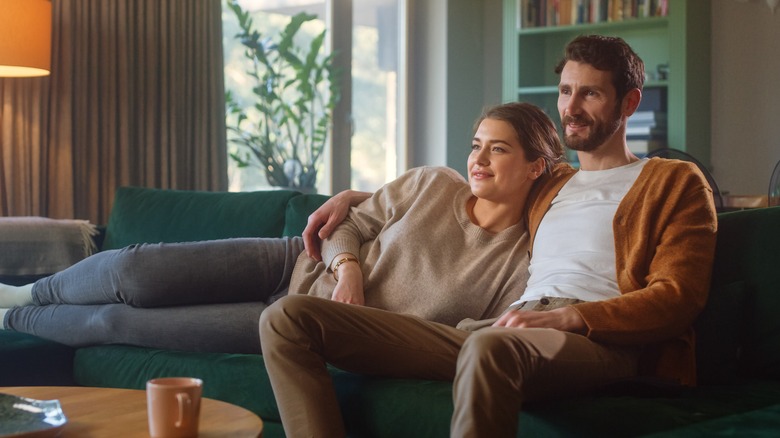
[27, 360]
[763, 422]
[628, 415]
[236, 378]
[241, 379]
[397, 407]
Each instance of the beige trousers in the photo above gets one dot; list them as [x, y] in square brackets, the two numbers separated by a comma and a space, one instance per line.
[493, 369]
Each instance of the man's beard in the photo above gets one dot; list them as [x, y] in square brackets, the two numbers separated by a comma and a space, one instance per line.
[600, 132]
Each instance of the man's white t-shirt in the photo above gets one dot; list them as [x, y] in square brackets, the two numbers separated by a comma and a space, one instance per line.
[574, 253]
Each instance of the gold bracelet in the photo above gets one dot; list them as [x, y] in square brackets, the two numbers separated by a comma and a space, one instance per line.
[338, 263]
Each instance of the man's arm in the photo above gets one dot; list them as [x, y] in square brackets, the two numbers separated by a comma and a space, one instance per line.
[325, 219]
[665, 245]
[663, 270]
[564, 319]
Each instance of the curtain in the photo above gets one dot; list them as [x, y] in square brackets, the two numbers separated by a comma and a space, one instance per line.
[22, 132]
[135, 97]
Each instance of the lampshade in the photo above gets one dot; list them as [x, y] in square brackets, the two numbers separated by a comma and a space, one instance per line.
[25, 38]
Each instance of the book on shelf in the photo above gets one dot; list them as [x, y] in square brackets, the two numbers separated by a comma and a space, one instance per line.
[643, 146]
[642, 122]
[544, 13]
[647, 116]
[645, 131]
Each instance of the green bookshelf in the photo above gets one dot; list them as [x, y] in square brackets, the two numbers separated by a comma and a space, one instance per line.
[680, 40]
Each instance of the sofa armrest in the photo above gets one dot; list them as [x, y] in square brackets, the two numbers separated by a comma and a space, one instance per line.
[35, 246]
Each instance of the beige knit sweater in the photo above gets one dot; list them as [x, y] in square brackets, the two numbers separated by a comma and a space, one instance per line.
[421, 255]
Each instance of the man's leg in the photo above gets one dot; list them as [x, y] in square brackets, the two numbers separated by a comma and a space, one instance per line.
[500, 368]
[300, 334]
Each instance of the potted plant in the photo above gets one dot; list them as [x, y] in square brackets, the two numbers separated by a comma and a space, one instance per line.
[295, 90]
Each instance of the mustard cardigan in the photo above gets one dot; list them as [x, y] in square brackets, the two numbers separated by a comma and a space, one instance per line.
[665, 230]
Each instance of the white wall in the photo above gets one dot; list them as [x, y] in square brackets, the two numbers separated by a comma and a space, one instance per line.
[465, 76]
[745, 94]
[455, 71]
[427, 83]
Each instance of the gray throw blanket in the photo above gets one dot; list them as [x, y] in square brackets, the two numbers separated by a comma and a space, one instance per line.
[37, 245]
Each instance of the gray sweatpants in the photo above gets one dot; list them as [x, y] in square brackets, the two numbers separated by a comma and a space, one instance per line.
[197, 296]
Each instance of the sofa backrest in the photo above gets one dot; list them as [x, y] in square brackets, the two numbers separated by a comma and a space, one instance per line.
[739, 331]
[144, 215]
[298, 210]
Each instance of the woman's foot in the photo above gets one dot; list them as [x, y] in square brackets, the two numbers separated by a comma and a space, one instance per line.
[12, 296]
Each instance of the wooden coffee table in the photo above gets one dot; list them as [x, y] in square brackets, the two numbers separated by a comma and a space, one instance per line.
[110, 412]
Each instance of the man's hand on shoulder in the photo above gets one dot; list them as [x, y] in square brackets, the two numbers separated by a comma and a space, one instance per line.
[325, 219]
[564, 318]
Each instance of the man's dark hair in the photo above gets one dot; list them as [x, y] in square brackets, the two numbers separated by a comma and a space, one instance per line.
[610, 54]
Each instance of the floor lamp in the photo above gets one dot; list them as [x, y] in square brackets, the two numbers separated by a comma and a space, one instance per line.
[25, 38]
[25, 45]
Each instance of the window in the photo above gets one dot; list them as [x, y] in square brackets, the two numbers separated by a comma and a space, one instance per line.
[367, 153]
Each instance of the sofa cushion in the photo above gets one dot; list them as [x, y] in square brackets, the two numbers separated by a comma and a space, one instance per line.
[298, 210]
[27, 360]
[659, 416]
[719, 330]
[748, 251]
[240, 379]
[142, 215]
[380, 407]
[761, 422]
[236, 378]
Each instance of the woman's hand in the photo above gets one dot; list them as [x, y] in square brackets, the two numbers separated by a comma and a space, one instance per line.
[349, 288]
[564, 318]
[325, 219]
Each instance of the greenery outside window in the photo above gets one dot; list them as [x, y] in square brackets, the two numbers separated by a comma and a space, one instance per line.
[371, 153]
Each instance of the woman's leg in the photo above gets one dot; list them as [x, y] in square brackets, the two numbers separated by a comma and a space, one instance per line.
[219, 328]
[173, 274]
[11, 296]
[300, 334]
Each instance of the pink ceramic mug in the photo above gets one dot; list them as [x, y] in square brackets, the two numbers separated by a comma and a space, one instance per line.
[173, 406]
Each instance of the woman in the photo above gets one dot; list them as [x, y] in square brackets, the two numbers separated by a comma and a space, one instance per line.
[418, 246]
[421, 243]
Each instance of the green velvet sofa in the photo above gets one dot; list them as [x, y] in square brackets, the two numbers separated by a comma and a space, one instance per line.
[738, 342]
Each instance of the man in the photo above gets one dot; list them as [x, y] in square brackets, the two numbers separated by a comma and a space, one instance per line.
[621, 260]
